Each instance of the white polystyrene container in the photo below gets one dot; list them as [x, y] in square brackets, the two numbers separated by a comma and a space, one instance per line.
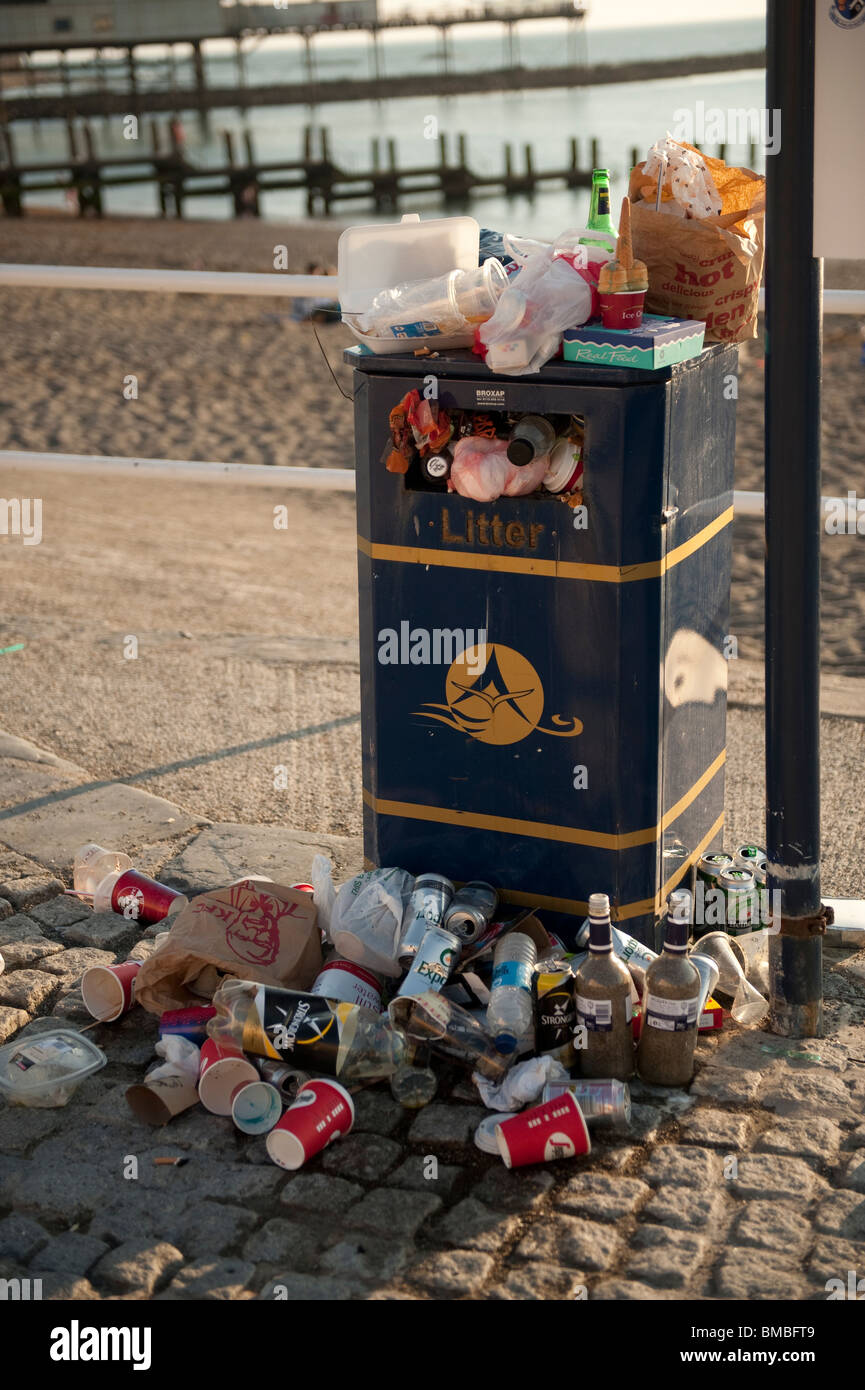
[47, 1068]
[373, 258]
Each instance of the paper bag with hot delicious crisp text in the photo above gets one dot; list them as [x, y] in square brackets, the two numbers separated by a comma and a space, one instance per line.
[705, 267]
[253, 930]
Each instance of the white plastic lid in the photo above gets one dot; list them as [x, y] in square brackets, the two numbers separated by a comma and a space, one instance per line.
[376, 256]
[44, 1062]
[485, 1134]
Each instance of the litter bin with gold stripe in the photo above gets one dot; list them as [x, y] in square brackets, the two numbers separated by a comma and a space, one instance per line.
[543, 686]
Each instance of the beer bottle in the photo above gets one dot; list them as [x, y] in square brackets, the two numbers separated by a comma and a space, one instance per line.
[665, 1055]
[603, 992]
[600, 220]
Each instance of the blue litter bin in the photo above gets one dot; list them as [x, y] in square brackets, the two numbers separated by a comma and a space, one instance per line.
[576, 744]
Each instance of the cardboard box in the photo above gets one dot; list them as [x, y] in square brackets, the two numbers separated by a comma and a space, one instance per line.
[658, 342]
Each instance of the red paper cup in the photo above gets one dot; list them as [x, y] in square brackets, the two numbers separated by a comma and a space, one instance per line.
[107, 989]
[139, 898]
[622, 310]
[256, 1107]
[556, 1129]
[323, 1111]
[222, 1070]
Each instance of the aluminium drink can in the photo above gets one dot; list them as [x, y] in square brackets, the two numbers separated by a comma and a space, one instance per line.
[436, 957]
[348, 982]
[555, 1015]
[712, 865]
[741, 901]
[472, 910]
[754, 858]
[425, 908]
[602, 1102]
[288, 1080]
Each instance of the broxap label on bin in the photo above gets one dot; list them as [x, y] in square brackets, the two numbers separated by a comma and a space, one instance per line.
[304, 1028]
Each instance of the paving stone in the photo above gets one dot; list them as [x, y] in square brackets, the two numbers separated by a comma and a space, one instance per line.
[365, 1156]
[793, 1094]
[211, 1228]
[758, 1275]
[617, 1157]
[11, 1019]
[841, 1214]
[223, 851]
[19, 955]
[307, 1288]
[853, 1173]
[646, 1121]
[27, 989]
[104, 931]
[376, 1113]
[724, 1084]
[773, 1176]
[676, 1167]
[153, 1215]
[453, 1274]
[832, 1259]
[57, 913]
[70, 965]
[439, 1125]
[571, 1242]
[19, 928]
[390, 1210]
[69, 1253]
[600, 1197]
[66, 1194]
[223, 1279]
[716, 1129]
[138, 1266]
[21, 1237]
[626, 1291]
[536, 1284]
[689, 1210]
[664, 1259]
[475, 1227]
[499, 1187]
[772, 1226]
[6, 908]
[318, 1193]
[70, 1007]
[361, 1255]
[26, 890]
[285, 1243]
[67, 1288]
[812, 1139]
[856, 1140]
[413, 1174]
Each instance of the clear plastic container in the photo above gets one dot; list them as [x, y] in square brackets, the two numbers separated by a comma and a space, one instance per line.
[510, 1011]
[46, 1069]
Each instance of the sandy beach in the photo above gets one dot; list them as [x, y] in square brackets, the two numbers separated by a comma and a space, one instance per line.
[198, 573]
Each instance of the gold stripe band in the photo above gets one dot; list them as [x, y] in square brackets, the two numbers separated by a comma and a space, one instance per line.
[542, 830]
[549, 569]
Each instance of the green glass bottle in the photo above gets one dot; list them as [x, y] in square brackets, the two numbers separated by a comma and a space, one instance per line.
[600, 220]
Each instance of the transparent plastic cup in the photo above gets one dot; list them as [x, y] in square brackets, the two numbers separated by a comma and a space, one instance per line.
[474, 294]
[93, 863]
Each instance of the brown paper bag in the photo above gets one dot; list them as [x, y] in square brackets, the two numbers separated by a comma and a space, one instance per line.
[705, 268]
[252, 931]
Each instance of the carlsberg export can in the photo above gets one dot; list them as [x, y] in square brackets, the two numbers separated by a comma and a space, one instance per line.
[555, 1015]
[353, 984]
[437, 955]
[425, 908]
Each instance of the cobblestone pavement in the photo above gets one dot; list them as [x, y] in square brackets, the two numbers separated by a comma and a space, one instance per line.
[751, 1185]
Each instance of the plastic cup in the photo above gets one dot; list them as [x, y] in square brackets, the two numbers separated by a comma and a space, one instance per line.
[92, 863]
[107, 990]
[622, 310]
[255, 1107]
[549, 1131]
[323, 1112]
[222, 1070]
[158, 1098]
[474, 294]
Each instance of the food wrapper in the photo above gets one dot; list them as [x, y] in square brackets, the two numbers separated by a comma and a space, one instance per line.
[704, 247]
[251, 930]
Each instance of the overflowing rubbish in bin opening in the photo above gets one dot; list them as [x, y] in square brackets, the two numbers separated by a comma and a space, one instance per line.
[314, 992]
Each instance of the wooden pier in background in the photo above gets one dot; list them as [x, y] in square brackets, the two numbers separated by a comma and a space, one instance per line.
[243, 179]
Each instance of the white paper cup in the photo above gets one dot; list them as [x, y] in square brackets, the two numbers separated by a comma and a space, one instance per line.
[256, 1107]
[222, 1071]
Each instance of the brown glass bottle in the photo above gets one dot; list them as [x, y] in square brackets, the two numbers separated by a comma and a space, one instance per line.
[665, 1055]
[603, 993]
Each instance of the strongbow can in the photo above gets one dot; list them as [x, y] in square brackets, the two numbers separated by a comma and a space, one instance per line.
[425, 908]
[353, 984]
[555, 1015]
[437, 955]
[472, 910]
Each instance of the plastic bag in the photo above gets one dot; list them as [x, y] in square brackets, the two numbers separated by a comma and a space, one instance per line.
[522, 1085]
[366, 920]
[482, 470]
[555, 289]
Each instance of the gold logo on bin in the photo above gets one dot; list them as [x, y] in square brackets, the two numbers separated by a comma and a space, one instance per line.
[495, 695]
